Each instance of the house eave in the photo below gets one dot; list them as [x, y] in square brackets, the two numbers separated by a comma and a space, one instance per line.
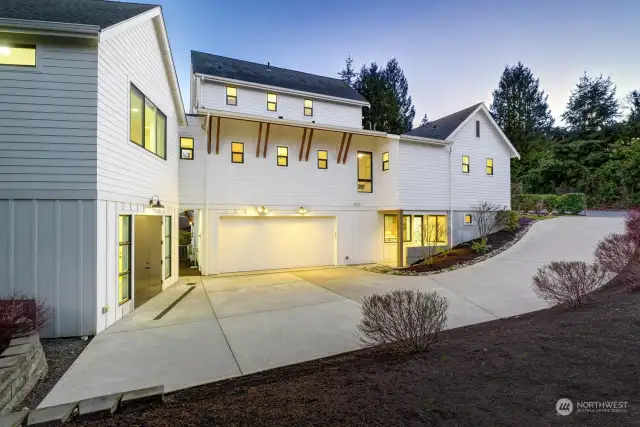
[411, 138]
[62, 29]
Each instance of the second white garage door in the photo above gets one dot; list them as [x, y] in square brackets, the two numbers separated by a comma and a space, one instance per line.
[266, 243]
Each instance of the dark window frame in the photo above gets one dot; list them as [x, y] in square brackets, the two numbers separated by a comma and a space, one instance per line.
[385, 163]
[191, 150]
[487, 167]
[467, 164]
[279, 156]
[325, 160]
[144, 109]
[236, 152]
[24, 46]
[477, 128]
[169, 236]
[304, 108]
[370, 154]
[227, 96]
[470, 219]
[127, 272]
[275, 104]
[408, 234]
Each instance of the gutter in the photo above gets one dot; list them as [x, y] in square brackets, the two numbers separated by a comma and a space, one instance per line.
[411, 138]
[50, 28]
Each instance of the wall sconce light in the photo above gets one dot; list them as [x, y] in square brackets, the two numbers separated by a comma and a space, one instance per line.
[302, 210]
[262, 210]
[157, 204]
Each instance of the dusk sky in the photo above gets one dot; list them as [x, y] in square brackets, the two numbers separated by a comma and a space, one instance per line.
[452, 52]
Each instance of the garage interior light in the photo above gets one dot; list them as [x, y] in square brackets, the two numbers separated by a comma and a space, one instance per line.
[262, 210]
[302, 210]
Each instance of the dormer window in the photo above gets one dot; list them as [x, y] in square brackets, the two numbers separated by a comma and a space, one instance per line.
[20, 55]
[272, 102]
[308, 107]
[232, 95]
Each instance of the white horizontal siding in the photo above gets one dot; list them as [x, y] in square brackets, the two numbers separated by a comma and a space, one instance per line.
[127, 172]
[290, 107]
[422, 172]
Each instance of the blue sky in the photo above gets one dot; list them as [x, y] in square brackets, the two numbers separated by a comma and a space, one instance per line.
[452, 52]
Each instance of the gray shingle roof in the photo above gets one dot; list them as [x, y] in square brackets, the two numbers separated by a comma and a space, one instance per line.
[89, 12]
[442, 128]
[236, 69]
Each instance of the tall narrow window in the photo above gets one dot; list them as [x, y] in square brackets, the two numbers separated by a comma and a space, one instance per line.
[308, 107]
[147, 124]
[489, 166]
[186, 148]
[466, 166]
[477, 128]
[136, 107]
[232, 95]
[283, 156]
[272, 102]
[150, 126]
[417, 226]
[167, 246]
[20, 55]
[322, 159]
[161, 135]
[365, 172]
[237, 152]
[124, 258]
[385, 161]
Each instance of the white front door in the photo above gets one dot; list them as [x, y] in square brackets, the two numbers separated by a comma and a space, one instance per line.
[266, 243]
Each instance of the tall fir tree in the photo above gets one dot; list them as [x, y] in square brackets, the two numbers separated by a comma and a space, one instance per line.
[395, 76]
[632, 105]
[348, 74]
[384, 112]
[519, 105]
[425, 120]
[592, 105]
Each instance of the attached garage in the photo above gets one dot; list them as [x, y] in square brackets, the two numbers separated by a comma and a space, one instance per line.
[266, 243]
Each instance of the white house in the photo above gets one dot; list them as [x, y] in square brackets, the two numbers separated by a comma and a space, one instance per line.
[97, 159]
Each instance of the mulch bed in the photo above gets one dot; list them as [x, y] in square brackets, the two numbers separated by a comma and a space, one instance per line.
[60, 354]
[508, 372]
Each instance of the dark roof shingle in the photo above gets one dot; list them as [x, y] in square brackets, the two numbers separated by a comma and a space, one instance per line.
[102, 13]
[221, 66]
[443, 127]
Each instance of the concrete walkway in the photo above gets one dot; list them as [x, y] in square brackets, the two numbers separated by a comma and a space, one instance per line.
[231, 326]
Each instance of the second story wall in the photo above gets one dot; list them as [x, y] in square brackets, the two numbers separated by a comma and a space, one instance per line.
[289, 107]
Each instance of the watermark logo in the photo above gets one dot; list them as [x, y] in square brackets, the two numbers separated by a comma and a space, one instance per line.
[564, 406]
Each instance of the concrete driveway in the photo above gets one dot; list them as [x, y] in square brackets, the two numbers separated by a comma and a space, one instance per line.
[231, 326]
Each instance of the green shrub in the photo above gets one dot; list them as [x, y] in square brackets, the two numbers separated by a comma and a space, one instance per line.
[551, 202]
[572, 202]
[508, 220]
[480, 246]
[525, 202]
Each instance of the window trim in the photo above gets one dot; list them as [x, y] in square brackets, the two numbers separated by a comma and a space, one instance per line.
[129, 244]
[35, 66]
[144, 108]
[279, 156]
[385, 162]
[227, 96]
[370, 168]
[304, 107]
[189, 149]
[275, 104]
[236, 152]
[468, 164]
[477, 128]
[470, 219]
[487, 166]
[167, 265]
[325, 160]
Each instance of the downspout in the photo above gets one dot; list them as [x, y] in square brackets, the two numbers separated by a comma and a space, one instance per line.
[450, 204]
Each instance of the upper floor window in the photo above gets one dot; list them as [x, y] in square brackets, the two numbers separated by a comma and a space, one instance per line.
[489, 166]
[272, 102]
[477, 128]
[385, 161]
[237, 152]
[365, 172]
[308, 107]
[147, 124]
[283, 156]
[20, 55]
[186, 148]
[322, 159]
[232, 95]
[466, 167]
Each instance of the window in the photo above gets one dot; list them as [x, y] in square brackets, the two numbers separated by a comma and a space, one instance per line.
[489, 166]
[237, 152]
[124, 258]
[322, 159]
[232, 95]
[308, 107]
[477, 128]
[283, 156]
[385, 161]
[365, 172]
[147, 124]
[20, 55]
[272, 102]
[437, 225]
[417, 226]
[167, 246]
[468, 219]
[465, 164]
[391, 228]
[186, 148]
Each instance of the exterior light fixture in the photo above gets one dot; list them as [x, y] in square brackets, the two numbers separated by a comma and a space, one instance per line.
[302, 210]
[360, 155]
[262, 210]
[157, 204]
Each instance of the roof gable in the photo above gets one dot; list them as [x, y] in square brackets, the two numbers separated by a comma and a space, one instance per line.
[235, 69]
[443, 127]
[102, 13]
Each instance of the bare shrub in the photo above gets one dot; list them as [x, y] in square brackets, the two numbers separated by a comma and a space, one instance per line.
[20, 314]
[632, 225]
[429, 234]
[620, 254]
[568, 282]
[484, 217]
[404, 319]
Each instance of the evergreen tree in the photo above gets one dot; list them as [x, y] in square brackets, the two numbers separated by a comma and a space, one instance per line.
[394, 75]
[348, 74]
[519, 105]
[592, 105]
[384, 112]
[425, 120]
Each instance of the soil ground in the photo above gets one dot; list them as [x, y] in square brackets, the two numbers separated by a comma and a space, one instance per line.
[509, 372]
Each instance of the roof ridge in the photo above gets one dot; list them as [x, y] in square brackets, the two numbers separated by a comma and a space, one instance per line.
[472, 107]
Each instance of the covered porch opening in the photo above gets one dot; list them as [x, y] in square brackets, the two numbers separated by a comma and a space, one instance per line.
[190, 242]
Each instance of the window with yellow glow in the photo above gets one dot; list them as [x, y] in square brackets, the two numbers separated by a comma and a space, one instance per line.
[308, 107]
[283, 156]
[272, 102]
[124, 258]
[19, 55]
[232, 95]
[147, 124]
[385, 161]
[437, 227]
[167, 247]
[365, 172]
[489, 166]
[391, 228]
[186, 148]
[322, 159]
[136, 106]
[466, 166]
[237, 152]
[468, 219]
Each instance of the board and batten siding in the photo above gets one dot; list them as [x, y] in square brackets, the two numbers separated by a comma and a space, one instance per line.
[290, 107]
[48, 122]
[192, 173]
[127, 172]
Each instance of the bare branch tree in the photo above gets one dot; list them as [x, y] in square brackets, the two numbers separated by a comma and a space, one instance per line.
[429, 235]
[484, 217]
[20, 314]
[568, 282]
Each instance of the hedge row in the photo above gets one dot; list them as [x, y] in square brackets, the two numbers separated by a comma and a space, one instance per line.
[571, 202]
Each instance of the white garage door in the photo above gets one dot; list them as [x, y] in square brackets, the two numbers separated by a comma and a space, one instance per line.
[265, 243]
